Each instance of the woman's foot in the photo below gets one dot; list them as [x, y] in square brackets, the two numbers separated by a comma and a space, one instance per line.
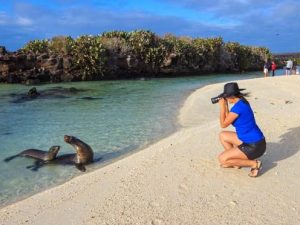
[255, 170]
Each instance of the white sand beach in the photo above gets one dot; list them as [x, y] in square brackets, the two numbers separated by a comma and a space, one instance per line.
[178, 179]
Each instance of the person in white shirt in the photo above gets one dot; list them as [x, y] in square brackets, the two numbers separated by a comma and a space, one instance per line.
[289, 66]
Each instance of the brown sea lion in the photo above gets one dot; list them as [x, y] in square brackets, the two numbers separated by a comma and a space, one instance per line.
[37, 154]
[84, 155]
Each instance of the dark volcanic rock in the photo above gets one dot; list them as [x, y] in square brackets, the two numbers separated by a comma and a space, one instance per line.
[18, 67]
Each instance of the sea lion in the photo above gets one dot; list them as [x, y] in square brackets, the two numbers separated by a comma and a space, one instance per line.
[83, 156]
[37, 154]
[90, 98]
[50, 93]
[84, 153]
[33, 93]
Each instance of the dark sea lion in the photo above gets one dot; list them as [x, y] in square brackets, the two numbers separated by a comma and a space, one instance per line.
[33, 93]
[65, 159]
[90, 98]
[37, 154]
[84, 155]
[50, 93]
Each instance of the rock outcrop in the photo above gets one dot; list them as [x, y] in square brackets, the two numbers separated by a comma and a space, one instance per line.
[35, 68]
[31, 68]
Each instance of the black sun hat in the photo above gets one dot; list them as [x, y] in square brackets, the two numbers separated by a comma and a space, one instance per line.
[231, 89]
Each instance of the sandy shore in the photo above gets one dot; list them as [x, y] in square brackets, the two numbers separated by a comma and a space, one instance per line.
[178, 180]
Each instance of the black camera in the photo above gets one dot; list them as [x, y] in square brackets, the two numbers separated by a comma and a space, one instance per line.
[215, 100]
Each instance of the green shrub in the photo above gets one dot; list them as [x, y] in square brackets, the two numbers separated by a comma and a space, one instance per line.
[246, 57]
[36, 46]
[208, 51]
[141, 41]
[89, 56]
[116, 34]
[61, 44]
[116, 46]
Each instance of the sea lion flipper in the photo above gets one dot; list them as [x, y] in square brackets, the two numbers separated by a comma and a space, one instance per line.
[35, 167]
[81, 167]
[11, 158]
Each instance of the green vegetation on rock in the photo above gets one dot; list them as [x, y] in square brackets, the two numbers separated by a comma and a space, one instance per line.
[36, 46]
[89, 56]
[144, 52]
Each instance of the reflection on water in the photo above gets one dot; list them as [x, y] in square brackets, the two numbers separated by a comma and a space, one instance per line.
[113, 117]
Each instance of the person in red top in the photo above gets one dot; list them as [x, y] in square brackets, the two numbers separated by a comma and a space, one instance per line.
[273, 68]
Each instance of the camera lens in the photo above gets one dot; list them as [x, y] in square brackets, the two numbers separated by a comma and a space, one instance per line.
[215, 100]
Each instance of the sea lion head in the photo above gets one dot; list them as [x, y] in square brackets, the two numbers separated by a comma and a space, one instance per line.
[54, 149]
[69, 139]
[33, 92]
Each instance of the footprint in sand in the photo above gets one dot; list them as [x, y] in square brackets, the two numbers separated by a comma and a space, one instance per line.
[233, 203]
[183, 189]
[157, 222]
[154, 204]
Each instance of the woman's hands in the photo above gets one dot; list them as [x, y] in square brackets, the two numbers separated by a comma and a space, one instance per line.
[226, 118]
[223, 103]
[224, 106]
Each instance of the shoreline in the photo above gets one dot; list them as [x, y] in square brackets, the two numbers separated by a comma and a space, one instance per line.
[171, 180]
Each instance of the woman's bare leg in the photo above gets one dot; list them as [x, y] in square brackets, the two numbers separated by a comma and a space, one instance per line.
[229, 139]
[235, 157]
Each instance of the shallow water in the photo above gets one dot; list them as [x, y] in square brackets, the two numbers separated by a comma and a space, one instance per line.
[113, 117]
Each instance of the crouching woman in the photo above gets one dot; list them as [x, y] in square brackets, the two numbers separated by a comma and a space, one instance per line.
[243, 147]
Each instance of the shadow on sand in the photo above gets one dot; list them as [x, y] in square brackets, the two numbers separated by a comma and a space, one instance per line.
[288, 146]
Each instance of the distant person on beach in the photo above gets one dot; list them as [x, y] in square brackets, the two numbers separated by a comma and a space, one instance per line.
[294, 69]
[273, 68]
[289, 66]
[243, 147]
[266, 69]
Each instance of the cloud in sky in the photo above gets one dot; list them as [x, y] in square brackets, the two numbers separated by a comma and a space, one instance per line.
[271, 23]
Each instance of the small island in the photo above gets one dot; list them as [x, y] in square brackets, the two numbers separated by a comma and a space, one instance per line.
[125, 55]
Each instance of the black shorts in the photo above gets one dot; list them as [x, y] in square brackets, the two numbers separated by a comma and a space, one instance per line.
[254, 150]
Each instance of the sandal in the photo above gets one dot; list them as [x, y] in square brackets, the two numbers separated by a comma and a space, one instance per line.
[255, 171]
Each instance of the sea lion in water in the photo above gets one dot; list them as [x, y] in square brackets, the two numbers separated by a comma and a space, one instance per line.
[33, 93]
[50, 93]
[84, 155]
[37, 154]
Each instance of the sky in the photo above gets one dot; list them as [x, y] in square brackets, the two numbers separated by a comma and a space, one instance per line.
[274, 24]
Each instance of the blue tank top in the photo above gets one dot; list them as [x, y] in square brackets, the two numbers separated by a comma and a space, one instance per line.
[245, 125]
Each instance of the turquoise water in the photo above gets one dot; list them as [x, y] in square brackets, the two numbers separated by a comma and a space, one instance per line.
[113, 117]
